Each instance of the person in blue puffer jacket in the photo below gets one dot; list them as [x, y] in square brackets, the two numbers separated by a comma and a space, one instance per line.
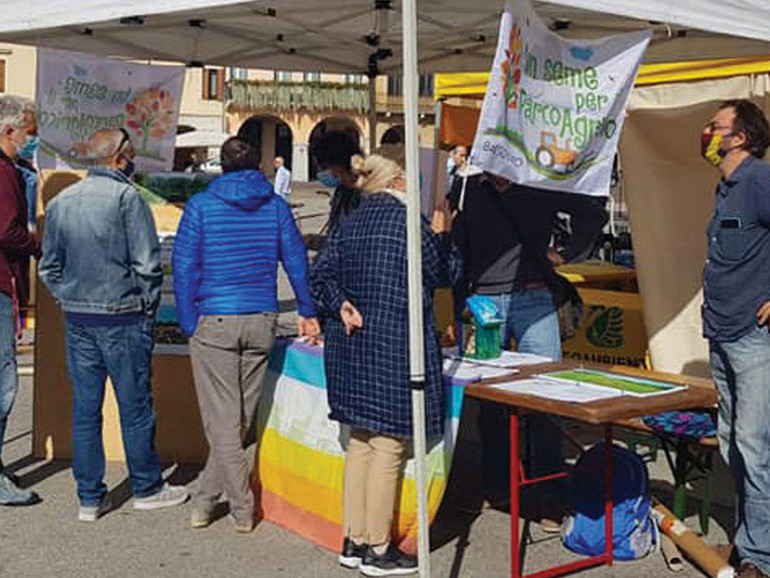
[225, 266]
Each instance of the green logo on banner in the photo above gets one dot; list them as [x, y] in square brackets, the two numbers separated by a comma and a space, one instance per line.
[606, 326]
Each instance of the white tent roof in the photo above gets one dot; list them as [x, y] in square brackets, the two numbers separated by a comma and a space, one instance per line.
[330, 35]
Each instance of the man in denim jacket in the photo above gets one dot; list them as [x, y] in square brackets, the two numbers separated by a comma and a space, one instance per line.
[103, 267]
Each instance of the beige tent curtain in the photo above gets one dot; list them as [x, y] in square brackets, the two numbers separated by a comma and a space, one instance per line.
[670, 192]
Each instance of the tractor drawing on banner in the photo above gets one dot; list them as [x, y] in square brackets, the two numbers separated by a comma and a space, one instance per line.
[550, 155]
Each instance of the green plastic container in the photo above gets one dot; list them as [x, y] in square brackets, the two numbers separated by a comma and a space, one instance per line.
[486, 341]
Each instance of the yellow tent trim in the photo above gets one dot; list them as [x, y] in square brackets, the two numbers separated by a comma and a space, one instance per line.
[703, 69]
[471, 84]
[474, 84]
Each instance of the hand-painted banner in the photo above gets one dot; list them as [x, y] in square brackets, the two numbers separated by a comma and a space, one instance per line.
[79, 94]
[554, 107]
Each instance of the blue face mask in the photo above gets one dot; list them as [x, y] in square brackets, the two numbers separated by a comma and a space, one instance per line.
[328, 179]
[128, 170]
[27, 151]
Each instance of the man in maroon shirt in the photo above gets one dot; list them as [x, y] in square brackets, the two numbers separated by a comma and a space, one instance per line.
[17, 245]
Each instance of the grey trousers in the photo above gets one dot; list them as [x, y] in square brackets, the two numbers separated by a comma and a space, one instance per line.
[229, 360]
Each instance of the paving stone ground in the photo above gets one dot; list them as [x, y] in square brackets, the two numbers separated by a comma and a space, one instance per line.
[48, 541]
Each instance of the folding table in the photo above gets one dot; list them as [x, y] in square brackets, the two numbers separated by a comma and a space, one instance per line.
[698, 394]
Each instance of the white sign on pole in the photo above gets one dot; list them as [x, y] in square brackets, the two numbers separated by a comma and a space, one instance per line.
[79, 94]
[554, 107]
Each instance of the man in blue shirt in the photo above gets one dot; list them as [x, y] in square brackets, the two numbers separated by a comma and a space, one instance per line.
[736, 312]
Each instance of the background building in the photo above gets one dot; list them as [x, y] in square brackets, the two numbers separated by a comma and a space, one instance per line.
[282, 111]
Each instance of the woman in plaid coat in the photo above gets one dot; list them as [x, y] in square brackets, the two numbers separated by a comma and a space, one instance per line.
[359, 284]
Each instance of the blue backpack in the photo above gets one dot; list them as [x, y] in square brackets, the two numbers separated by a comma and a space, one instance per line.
[634, 533]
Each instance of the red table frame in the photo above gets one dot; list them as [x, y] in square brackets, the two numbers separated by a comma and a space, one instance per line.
[518, 479]
[699, 393]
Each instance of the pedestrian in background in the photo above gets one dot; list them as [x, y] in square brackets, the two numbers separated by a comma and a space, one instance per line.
[455, 164]
[282, 184]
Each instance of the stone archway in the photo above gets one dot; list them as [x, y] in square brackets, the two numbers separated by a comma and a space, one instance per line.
[328, 124]
[272, 136]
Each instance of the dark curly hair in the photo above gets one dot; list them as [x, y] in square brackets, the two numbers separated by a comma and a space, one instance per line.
[238, 155]
[751, 121]
[335, 149]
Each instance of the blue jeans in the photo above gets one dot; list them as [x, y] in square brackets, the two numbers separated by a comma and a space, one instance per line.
[530, 318]
[9, 381]
[741, 371]
[123, 351]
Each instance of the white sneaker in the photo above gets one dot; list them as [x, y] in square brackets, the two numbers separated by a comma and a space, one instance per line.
[167, 496]
[93, 513]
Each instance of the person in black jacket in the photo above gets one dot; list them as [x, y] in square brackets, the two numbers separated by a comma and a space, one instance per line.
[503, 232]
[333, 152]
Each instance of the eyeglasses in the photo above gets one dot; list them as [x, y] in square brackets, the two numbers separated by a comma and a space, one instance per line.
[126, 138]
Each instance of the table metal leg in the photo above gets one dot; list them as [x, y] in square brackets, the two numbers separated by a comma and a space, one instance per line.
[515, 483]
[608, 496]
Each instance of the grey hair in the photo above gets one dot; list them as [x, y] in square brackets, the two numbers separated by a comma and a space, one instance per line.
[13, 111]
[105, 142]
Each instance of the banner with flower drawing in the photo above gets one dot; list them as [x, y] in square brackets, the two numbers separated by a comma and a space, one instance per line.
[554, 107]
[79, 94]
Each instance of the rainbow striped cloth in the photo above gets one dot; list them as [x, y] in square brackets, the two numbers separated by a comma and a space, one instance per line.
[300, 463]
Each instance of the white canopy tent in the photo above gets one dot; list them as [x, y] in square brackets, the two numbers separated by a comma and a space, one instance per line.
[353, 36]
[340, 35]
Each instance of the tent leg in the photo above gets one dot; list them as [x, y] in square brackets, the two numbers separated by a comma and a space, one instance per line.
[372, 114]
[414, 269]
[438, 193]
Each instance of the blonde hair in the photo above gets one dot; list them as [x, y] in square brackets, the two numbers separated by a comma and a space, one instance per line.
[375, 173]
[394, 152]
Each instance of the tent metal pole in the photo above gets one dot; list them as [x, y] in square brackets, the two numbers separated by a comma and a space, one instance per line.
[414, 269]
[372, 114]
[438, 192]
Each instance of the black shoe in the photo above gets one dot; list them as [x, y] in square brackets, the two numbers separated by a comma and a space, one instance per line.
[749, 570]
[352, 554]
[14, 478]
[392, 563]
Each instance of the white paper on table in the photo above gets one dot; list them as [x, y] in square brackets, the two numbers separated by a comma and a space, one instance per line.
[506, 359]
[463, 370]
[558, 390]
